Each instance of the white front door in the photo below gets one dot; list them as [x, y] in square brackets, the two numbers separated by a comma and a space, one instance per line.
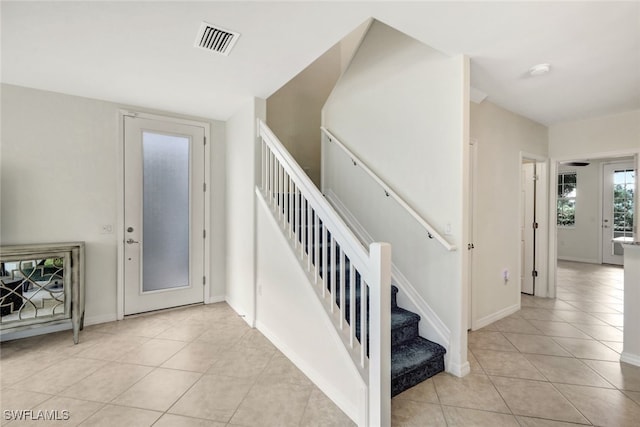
[163, 214]
[617, 209]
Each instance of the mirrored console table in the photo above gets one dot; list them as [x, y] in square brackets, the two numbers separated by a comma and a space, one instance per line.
[41, 285]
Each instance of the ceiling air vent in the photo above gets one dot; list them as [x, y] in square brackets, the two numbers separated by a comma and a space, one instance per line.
[216, 39]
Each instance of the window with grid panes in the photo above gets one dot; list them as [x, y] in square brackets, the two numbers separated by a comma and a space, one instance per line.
[567, 185]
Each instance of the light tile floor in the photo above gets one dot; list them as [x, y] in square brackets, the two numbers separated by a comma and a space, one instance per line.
[196, 366]
[553, 363]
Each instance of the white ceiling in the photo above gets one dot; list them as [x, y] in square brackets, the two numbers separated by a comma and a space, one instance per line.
[141, 53]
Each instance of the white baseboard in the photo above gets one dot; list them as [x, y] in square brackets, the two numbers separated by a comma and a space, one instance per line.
[575, 259]
[459, 370]
[437, 331]
[240, 313]
[335, 394]
[631, 359]
[216, 298]
[95, 320]
[487, 320]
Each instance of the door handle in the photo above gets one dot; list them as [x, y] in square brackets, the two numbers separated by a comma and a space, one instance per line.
[131, 241]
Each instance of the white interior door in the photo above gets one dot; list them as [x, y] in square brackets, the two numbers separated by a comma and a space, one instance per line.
[618, 188]
[163, 214]
[528, 228]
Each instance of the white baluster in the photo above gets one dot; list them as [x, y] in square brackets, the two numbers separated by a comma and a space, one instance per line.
[316, 248]
[263, 164]
[285, 200]
[352, 305]
[303, 223]
[296, 216]
[291, 190]
[363, 323]
[332, 263]
[325, 276]
[343, 290]
[309, 230]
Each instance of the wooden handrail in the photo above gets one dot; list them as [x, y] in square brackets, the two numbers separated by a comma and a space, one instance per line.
[431, 231]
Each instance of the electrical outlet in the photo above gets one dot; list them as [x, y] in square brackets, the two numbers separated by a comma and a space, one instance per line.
[107, 229]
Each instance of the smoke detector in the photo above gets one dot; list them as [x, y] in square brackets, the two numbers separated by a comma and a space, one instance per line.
[216, 39]
[539, 70]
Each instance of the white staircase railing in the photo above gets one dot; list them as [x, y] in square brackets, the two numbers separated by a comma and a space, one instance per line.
[352, 282]
[431, 231]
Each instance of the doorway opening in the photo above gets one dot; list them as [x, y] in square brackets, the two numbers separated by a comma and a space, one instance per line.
[533, 225]
[592, 219]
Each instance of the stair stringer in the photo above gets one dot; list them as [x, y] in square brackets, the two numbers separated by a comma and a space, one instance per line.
[430, 326]
[350, 396]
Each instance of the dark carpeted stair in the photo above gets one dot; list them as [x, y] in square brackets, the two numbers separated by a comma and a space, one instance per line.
[413, 358]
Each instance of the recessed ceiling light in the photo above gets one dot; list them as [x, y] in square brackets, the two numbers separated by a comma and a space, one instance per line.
[540, 69]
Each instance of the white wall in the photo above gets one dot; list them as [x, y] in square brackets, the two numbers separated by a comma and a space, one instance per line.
[241, 164]
[59, 182]
[400, 106]
[501, 138]
[290, 314]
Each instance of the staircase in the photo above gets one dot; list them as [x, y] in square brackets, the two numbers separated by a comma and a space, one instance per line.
[413, 358]
[352, 282]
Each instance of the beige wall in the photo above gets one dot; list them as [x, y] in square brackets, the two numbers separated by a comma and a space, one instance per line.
[501, 137]
[59, 182]
[293, 112]
[597, 136]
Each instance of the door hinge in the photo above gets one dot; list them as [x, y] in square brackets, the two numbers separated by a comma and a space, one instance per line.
[470, 246]
[534, 273]
[204, 140]
[204, 187]
[204, 234]
[204, 280]
[535, 225]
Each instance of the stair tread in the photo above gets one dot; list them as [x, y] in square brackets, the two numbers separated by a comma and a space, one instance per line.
[411, 354]
[401, 317]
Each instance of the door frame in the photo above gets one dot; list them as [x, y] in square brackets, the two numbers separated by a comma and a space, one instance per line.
[541, 288]
[122, 113]
[553, 220]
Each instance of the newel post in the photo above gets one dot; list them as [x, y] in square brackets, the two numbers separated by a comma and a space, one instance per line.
[380, 335]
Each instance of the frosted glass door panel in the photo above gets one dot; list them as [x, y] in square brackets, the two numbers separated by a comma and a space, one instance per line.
[165, 262]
